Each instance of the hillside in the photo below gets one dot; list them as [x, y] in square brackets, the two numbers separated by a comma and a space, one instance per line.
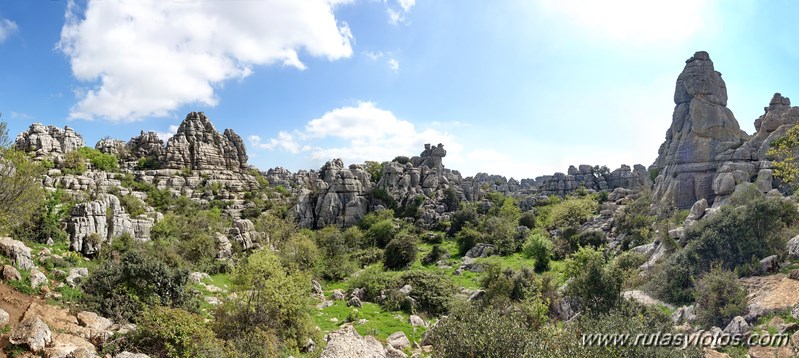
[146, 248]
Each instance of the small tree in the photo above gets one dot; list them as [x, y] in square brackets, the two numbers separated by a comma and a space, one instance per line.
[783, 152]
[400, 252]
[538, 247]
[719, 297]
[594, 282]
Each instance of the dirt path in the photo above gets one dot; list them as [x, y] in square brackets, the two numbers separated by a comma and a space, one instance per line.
[16, 304]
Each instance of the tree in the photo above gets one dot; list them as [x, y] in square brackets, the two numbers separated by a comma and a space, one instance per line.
[719, 297]
[783, 151]
[400, 252]
[594, 282]
[21, 192]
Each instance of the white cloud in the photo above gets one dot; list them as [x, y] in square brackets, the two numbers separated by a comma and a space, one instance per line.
[393, 64]
[356, 134]
[173, 129]
[149, 57]
[284, 141]
[373, 55]
[7, 27]
[634, 21]
[398, 14]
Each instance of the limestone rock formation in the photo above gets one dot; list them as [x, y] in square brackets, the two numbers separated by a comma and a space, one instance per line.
[346, 342]
[48, 141]
[146, 145]
[16, 250]
[93, 223]
[702, 127]
[243, 231]
[32, 332]
[111, 146]
[197, 145]
[333, 196]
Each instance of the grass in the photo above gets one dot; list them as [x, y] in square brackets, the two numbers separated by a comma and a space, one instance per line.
[379, 323]
[221, 280]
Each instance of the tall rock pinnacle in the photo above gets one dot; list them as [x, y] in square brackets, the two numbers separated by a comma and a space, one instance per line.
[702, 127]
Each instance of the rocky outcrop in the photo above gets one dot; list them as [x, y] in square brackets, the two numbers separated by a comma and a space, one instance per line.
[146, 145]
[33, 333]
[346, 342]
[48, 141]
[198, 146]
[19, 254]
[333, 196]
[93, 223]
[243, 231]
[593, 178]
[702, 128]
[111, 146]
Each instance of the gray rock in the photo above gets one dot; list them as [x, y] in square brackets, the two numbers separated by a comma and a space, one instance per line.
[346, 343]
[48, 141]
[392, 352]
[398, 340]
[15, 250]
[316, 288]
[38, 279]
[684, 314]
[770, 264]
[355, 302]
[416, 321]
[127, 354]
[198, 146]
[243, 232]
[698, 209]
[407, 289]
[793, 247]
[32, 332]
[480, 250]
[94, 223]
[224, 247]
[10, 273]
[3, 317]
[738, 325]
[477, 295]
[795, 312]
[93, 321]
[112, 146]
[75, 275]
[197, 277]
[338, 294]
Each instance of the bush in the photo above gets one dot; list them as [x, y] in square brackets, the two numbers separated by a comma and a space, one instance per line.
[573, 211]
[74, 163]
[433, 291]
[400, 252]
[635, 222]
[472, 331]
[337, 262]
[169, 332]
[373, 281]
[527, 219]
[382, 232]
[719, 297]
[732, 238]
[21, 193]
[270, 299]
[132, 205]
[467, 238]
[502, 233]
[374, 217]
[300, 253]
[148, 163]
[465, 216]
[374, 169]
[121, 289]
[595, 283]
[538, 247]
[436, 254]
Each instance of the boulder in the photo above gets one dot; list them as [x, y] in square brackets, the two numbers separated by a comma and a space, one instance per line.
[3, 317]
[94, 223]
[416, 321]
[355, 302]
[793, 247]
[10, 273]
[38, 279]
[338, 294]
[93, 321]
[346, 343]
[698, 209]
[684, 314]
[738, 325]
[224, 247]
[398, 340]
[32, 332]
[75, 275]
[392, 352]
[770, 264]
[15, 250]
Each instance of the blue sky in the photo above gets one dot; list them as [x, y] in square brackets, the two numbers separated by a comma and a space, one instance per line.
[511, 87]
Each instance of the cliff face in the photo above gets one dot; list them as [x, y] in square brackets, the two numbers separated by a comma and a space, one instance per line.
[48, 141]
[197, 145]
[705, 154]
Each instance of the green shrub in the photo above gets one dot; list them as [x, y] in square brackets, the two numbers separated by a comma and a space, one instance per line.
[433, 291]
[374, 217]
[502, 233]
[374, 169]
[382, 232]
[436, 254]
[373, 280]
[270, 299]
[467, 238]
[635, 222]
[337, 262]
[538, 247]
[465, 216]
[400, 252]
[169, 332]
[368, 256]
[148, 163]
[573, 211]
[121, 289]
[300, 253]
[132, 205]
[719, 297]
[595, 283]
[74, 163]
[734, 237]
[527, 219]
